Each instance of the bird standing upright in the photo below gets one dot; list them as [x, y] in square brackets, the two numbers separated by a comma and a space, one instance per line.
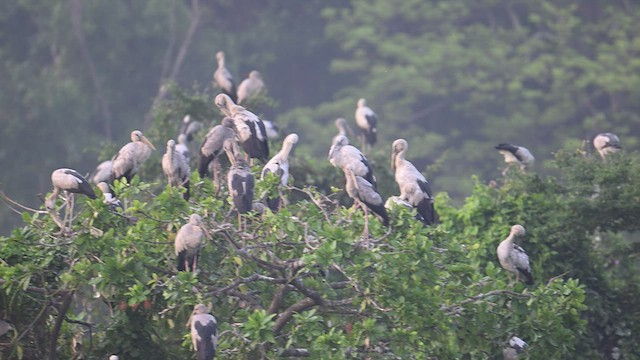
[279, 165]
[176, 168]
[182, 146]
[212, 147]
[128, 160]
[204, 332]
[190, 127]
[515, 155]
[70, 182]
[240, 179]
[102, 172]
[188, 243]
[343, 128]
[513, 258]
[367, 121]
[414, 188]
[606, 143]
[250, 87]
[344, 156]
[365, 195]
[222, 77]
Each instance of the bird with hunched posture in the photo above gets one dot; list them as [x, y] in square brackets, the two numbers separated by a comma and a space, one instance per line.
[250, 130]
[279, 165]
[515, 155]
[212, 148]
[251, 86]
[414, 188]
[513, 258]
[365, 195]
[176, 168]
[70, 182]
[271, 128]
[606, 143]
[367, 121]
[109, 199]
[128, 160]
[204, 332]
[343, 155]
[188, 243]
[240, 179]
[343, 128]
[190, 127]
[395, 201]
[222, 77]
[182, 146]
[102, 172]
[516, 346]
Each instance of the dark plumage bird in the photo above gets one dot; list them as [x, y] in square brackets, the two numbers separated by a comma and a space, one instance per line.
[414, 188]
[515, 155]
[367, 121]
[251, 86]
[189, 241]
[128, 160]
[513, 258]
[204, 333]
[365, 195]
[240, 179]
[176, 168]
[271, 128]
[516, 346]
[345, 156]
[69, 181]
[222, 77]
[606, 143]
[212, 148]
[279, 165]
[250, 130]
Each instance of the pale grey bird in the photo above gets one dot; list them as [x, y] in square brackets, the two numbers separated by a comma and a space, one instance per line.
[394, 201]
[343, 155]
[279, 165]
[176, 168]
[70, 182]
[102, 172]
[251, 86]
[606, 143]
[212, 148]
[190, 127]
[365, 195]
[128, 160]
[516, 346]
[182, 146]
[114, 357]
[367, 121]
[204, 332]
[223, 79]
[188, 243]
[515, 155]
[513, 258]
[414, 188]
[109, 199]
[240, 180]
[343, 128]
[271, 128]
[250, 130]
[5, 327]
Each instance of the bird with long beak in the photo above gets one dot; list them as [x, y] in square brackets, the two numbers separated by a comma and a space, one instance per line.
[279, 165]
[130, 157]
[189, 241]
[240, 180]
[365, 196]
[513, 258]
[70, 182]
[204, 332]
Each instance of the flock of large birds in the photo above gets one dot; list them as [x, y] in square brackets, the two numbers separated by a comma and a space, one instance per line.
[243, 136]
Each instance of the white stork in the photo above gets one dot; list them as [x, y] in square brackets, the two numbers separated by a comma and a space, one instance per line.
[204, 332]
[414, 188]
[102, 172]
[222, 77]
[516, 346]
[182, 146]
[515, 155]
[365, 195]
[176, 168]
[279, 165]
[367, 121]
[70, 182]
[251, 86]
[606, 143]
[240, 179]
[250, 130]
[109, 199]
[344, 156]
[188, 243]
[190, 127]
[513, 258]
[128, 160]
[212, 148]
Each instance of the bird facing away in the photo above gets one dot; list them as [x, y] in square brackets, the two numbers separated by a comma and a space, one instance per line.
[250, 130]
[344, 156]
[513, 258]
[271, 128]
[239, 178]
[606, 143]
[188, 243]
[212, 148]
[190, 127]
[204, 332]
[222, 77]
[367, 121]
[251, 86]
[516, 346]
[279, 165]
[365, 195]
[102, 172]
[414, 188]
[182, 146]
[128, 160]
[515, 155]
[176, 168]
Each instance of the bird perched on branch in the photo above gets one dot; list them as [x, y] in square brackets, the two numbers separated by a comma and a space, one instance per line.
[130, 157]
[279, 165]
[212, 148]
[343, 128]
[344, 156]
[513, 258]
[188, 243]
[240, 179]
[204, 332]
[606, 143]
[250, 87]
[176, 168]
[190, 127]
[516, 346]
[102, 173]
[70, 182]
[365, 195]
[515, 155]
[222, 77]
[367, 121]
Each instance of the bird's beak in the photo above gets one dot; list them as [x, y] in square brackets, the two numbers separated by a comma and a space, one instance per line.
[146, 141]
[205, 230]
[331, 150]
[393, 161]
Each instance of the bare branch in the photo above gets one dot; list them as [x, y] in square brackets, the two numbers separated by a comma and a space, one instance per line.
[455, 308]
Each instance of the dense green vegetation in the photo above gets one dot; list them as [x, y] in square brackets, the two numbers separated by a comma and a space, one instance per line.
[454, 79]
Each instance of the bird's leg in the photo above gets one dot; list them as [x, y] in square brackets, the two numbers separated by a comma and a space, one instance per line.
[216, 170]
[504, 172]
[195, 263]
[366, 223]
[510, 280]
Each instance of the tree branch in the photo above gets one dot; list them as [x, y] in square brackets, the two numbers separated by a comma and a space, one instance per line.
[453, 309]
[62, 314]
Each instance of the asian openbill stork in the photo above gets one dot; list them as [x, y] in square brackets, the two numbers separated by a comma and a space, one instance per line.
[343, 155]
[343, 128]
[394, 201]
[606, 143]
[176, 168]
[239, 179]
[204, 332]
[189, 241]
[109, 199]
[365, 195]
[222, 77]
[70, 182]
[102, 172]
[182, 146]
[250, 130]
[212, 148]
[128, 160]
[515, 155]
[414, 188]
[190, 127]
[513, 258]
[367, 121]
[271, 128]
[279, 165]
[516, 346]
[251, 86]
